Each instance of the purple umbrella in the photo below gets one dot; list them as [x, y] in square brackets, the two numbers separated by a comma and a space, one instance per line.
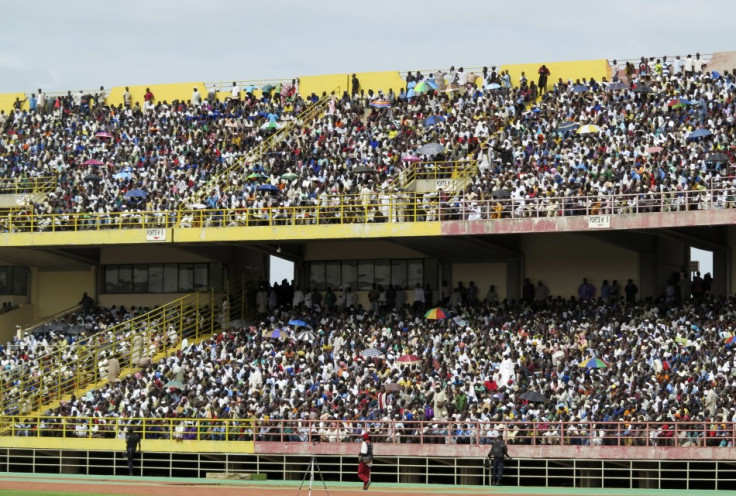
[92, 162]
[103, 134]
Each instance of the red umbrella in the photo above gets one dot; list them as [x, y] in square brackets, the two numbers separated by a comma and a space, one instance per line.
[92, 162]
[409, 359]
[103, 134]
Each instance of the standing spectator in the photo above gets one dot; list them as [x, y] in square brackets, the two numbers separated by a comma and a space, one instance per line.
[196, 98]
[126, 97]
[544, 74]
[418, 298]
[586, 291]
[132, 446]
[630, 290]
[148, 96]
[355, 86]
[498, 454]
[113, 370]
[365, 460]
[541, 292]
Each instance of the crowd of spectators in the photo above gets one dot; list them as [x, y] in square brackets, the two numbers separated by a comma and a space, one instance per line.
[670, 363]
[534, 146]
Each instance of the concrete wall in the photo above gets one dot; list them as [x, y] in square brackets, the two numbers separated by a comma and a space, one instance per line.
[146, 254]
[562, 261]
[352, 250]
[53, 291]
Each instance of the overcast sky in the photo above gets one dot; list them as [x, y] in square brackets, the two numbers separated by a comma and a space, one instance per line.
[77, 44]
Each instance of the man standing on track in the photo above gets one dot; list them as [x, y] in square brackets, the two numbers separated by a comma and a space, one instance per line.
[132, 446]
[365, 460]
[498, 453]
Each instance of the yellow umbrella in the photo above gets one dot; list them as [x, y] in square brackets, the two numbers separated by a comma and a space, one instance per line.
[588, 129]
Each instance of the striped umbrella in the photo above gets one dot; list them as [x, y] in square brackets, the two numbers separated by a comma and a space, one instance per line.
[380, 103]
[568, 127]
[437, 313]
[729, 339]
[593, 363]
[371, 353]
[422, 87]
[306, 335]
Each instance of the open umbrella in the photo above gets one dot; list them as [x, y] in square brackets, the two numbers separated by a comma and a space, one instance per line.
[174, 384]
[136, 193]
[501, 193]
[422, 87]
[255, 175]
[122, 175]
[699, 133]
[579, 88]
[289, 176]
[392, 387]
[267, 88]
[492, 86]
[411, 158]
[409, 359]
[268, 187]
[371, 352]
[593, 363]
[654, 149]
[103, 134]
[306, 335]
[277, 334]
[437, 313]
[533, 397]
[678, 103]
[298, 323]
[381, 103]
[93, 161]
[568, 127]
[717, 157]
[729, 340]
[588, 129]
[273, 125]
[362, 169]
[643, 89]
[431, 149]
[433, 119]
[617, 86]
[92, 177]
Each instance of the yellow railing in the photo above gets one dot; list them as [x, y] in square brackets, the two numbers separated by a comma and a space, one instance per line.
[27, 185]
[256, 154]
[69, 368]
[176, 429]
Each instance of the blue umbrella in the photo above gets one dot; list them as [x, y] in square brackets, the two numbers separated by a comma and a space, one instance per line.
[568, 127]
[434, 119]
[298, 323]
[699, 133]
[579, 88]
[122, 175]
[136, 193]
[267, 187]
[492, 86]
[249, 89]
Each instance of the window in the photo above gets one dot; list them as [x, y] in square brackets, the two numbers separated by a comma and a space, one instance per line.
[332, 275]
[152, 278]
[317, 276]
[361, 274]
[20, 281]
[365, 275]
[398, 273]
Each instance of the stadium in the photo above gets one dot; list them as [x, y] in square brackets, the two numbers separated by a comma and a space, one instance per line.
[478, 252]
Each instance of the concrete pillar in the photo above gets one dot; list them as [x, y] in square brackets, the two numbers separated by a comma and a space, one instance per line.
[514, 276]
[723, 284]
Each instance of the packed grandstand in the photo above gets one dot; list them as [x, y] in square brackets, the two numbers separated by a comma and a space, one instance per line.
[456, 366]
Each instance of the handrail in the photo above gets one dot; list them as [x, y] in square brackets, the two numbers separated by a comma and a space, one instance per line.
[70, 367]
[378, 207]
[631, 433]
[453, 170]
[257, 153]
[21, 185]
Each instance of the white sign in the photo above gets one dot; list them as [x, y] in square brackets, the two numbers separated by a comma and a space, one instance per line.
[155, 235]
[694, 266]
[599, 221]
[444, 183]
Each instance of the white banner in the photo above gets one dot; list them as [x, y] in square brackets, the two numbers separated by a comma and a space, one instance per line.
[155, 235]
[599, 221]
[443, 183]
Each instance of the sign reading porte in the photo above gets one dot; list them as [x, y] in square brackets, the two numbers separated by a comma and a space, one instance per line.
[599, 222]
[155, 235]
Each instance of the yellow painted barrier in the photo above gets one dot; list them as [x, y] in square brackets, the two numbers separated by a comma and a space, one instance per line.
[580, 69]
[161, 92]
[319, 84]
[7, 100]
[147, 446]
[375, 81]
